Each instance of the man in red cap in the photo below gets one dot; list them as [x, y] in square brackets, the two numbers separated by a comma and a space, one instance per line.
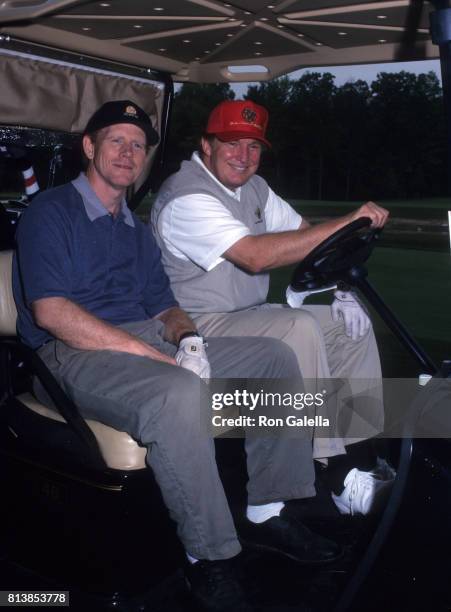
[221, 229]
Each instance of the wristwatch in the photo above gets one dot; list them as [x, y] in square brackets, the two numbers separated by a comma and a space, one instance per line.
[189, 334]
[342, 286]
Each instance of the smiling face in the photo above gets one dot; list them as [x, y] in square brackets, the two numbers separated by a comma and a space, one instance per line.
[232, 163]
[116, 157]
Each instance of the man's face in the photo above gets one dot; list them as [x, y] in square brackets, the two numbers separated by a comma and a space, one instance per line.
[117, 156]
[232, 163]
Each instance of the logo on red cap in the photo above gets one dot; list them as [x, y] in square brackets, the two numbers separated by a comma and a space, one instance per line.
[249, 115]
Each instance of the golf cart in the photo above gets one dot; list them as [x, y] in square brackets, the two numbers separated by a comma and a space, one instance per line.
[81, 512]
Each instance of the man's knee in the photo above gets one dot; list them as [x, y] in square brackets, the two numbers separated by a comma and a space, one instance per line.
[183, 391]
[280, 359]
[172, 402]
[302, 325]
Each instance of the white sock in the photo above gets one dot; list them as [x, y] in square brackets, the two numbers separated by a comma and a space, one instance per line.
[259, 514]
[191, 559]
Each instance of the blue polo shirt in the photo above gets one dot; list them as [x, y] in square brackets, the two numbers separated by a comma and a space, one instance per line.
[69, 245]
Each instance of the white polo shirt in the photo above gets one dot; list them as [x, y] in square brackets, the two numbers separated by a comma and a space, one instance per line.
[198, 227]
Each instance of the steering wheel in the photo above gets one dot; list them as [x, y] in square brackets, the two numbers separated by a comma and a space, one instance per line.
[337, 257]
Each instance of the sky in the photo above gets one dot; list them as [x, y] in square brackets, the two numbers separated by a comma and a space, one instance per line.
[367, 72]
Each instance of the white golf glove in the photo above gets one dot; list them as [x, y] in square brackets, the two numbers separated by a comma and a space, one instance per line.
[192, 356]
[348, 307]
[295, 299]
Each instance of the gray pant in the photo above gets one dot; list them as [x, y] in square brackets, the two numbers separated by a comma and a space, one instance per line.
[159, 406]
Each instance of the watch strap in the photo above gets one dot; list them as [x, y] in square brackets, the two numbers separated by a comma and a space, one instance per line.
[189, 334]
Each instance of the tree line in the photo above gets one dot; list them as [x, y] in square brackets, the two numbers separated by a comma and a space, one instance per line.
[356, 141]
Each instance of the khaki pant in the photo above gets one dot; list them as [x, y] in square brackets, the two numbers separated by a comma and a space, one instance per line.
[323, 352]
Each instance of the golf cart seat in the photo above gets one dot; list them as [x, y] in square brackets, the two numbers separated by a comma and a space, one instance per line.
[117, 448]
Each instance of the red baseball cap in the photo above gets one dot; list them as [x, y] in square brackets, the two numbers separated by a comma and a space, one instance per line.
[234, 119]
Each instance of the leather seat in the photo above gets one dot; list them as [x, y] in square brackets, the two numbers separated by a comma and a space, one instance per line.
[118, 449]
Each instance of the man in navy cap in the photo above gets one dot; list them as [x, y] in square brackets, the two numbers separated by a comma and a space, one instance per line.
[95, 303]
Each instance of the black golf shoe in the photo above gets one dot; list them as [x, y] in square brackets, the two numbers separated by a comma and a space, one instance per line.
[285, 534]
[215, 587]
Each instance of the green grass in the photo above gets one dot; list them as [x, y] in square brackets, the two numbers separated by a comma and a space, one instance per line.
[443, 203]
[143, 210]
[427, 208]
[10, 195]
[416, 284]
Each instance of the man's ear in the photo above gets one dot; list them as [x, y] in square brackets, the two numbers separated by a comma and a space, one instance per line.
[88, 147]
[205, 146]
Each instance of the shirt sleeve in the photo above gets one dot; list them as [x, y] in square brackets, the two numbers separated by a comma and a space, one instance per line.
[43, 252]
[279, 215]
[198, 227]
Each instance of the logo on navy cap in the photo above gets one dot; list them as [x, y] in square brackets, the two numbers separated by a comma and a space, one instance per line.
[131, 111]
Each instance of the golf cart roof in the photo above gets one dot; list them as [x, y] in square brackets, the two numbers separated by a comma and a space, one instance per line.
[213, 41]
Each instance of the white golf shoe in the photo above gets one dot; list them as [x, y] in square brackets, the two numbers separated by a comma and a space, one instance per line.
[364, 490]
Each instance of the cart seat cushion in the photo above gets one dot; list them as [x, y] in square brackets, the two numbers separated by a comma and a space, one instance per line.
[118, 449]
[8, 312]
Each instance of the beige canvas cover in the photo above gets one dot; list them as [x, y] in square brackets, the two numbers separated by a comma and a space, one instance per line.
[56, 96]
[53, 95]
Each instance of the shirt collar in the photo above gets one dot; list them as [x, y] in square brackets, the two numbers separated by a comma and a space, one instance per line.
[93, 206]
[234, 194]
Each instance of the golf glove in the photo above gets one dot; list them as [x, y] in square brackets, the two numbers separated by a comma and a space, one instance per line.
[347, 306]
[295, 299]
[192, 356]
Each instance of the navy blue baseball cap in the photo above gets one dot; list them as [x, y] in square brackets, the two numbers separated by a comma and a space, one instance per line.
[122, 111]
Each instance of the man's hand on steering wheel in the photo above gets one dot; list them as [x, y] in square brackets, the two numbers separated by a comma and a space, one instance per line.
[376, 213]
